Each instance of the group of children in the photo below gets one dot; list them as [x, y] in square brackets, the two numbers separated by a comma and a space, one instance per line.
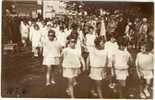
[105, 58]
[63, 49]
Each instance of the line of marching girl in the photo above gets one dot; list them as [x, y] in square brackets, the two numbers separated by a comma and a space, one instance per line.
[105, 58]
[62, 49]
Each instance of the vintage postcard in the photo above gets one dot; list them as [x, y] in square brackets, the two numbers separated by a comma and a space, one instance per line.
[77, 49]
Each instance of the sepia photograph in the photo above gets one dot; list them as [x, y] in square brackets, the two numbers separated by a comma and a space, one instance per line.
[77, 49]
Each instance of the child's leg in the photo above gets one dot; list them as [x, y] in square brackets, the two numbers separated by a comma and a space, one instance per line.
[53, 72]
[99, 90]
[38, 51]
[122, 85]
[141, 88]
[111, 75]
[48, 75]
[146, 87]
[71, 87]
[23, 41]
[41, 51]
[74, 81]
[35, 52]
[93, 88]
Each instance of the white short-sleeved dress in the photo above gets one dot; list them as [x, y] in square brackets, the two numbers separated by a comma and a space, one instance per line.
[90, 42]
[71, 62]
[62, 38]
[51, 52]
[111, 49]
[121, 59]
[36, 38]
[44, 34]
[98, 61]
[145, 62]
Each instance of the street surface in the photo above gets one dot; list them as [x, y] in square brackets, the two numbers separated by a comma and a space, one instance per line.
[24, 76]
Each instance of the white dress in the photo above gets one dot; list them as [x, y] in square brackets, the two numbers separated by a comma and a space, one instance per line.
[111, 49]
[44, 34]
[98, 61]
[36, 38]
[24, 29]
[62, 38]
[71, 62]
[31, 28]
[90, 42]
[145, 62]
[51, 52]
[121, 59]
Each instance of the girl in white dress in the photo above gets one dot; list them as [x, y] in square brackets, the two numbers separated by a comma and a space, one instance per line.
[98, 61]
[62, 36]
[36, 40]
[144, 65]
[51, 56]
[71, 64]
[89, 40]
[111, 47]
[24, 30]
[121, 62]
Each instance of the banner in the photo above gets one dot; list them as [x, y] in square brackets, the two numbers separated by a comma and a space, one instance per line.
[52, 7]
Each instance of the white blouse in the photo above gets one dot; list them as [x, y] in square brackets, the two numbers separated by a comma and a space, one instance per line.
[71, 58]
[144, 61]
[51, 48]
[98, 58]
[121, 59]
[90, 39]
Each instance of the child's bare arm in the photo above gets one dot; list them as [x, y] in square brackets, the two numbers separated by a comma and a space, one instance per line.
[87, 62]
[131, 63]
[61, 57]
[138, 67]
[83, 63]
[113, 65]
[106, 61]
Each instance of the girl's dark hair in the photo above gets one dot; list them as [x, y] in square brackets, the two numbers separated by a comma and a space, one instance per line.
[73, 35]
[98, 40]
[51, 31]
[123, 42]
[148, 45]
[36, 26]
[62, 28]
[113, 35]
[91, 27]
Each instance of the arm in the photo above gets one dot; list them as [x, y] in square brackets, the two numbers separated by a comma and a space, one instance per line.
[113, 65]
[88, 62]
[106, 61]
[137, 66]
[83, 63]
[130, 62]
[61, 57]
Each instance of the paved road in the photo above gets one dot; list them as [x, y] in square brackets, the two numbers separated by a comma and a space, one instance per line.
[24, 76]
